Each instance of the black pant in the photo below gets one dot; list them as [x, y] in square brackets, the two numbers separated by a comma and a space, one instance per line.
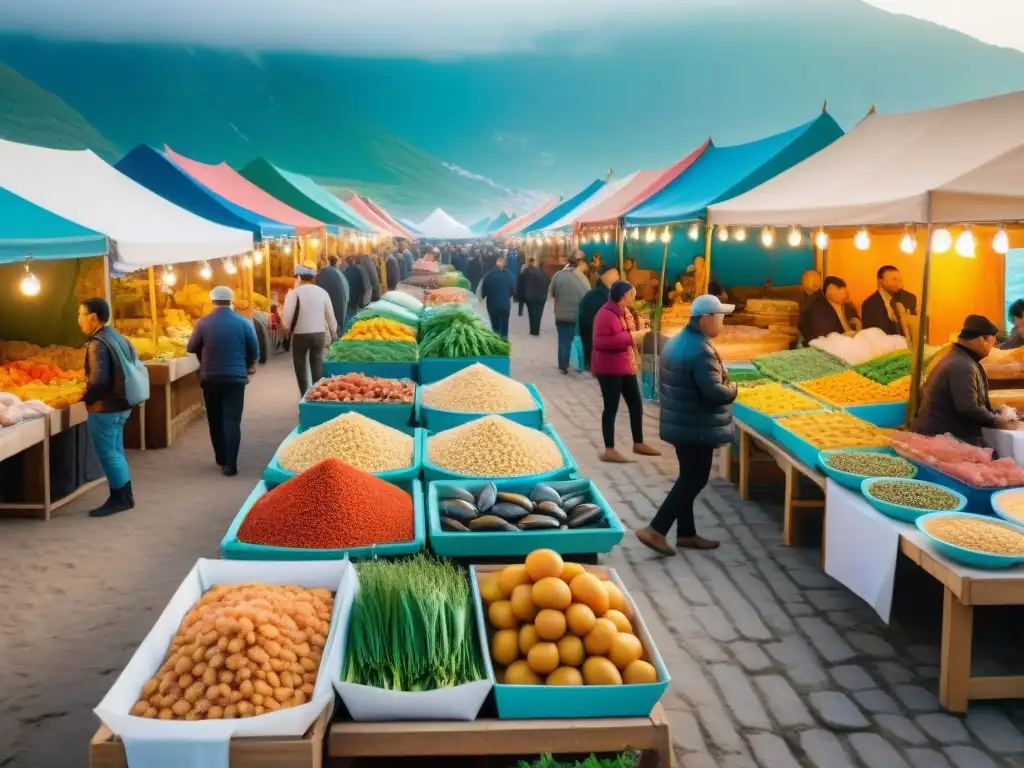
[587, 337]
[499, 321]
[626, 387]
[308, 348]
[521, 308]
[224, 401]
[535, 310]
[694, 471]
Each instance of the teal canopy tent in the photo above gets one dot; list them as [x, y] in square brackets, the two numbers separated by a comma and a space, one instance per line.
[26, 230]
[564, 207]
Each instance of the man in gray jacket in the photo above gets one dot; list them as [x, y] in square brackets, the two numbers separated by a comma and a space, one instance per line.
[567, 289]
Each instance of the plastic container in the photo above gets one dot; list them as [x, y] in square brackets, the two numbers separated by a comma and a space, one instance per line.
[888, 415]
[572, 541]
[849, 479]
[996, 499]
[900, 512]
[384, 370]
[760, 422]
[397, 415]
[436, 420]
[275, 474]
[432, 473]
[979, 500]
[433, 369]
[233, 549]
[969, 557]
[803, 451]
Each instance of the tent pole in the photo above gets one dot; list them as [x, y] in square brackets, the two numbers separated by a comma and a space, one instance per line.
[265, 247]
[152, 308]
[620, 239]
[106, 279]
[917, 358]
[709, 229]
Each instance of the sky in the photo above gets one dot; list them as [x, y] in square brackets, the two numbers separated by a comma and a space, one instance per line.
[426, 27]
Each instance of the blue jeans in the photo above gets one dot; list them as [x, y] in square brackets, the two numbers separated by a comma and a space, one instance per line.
[107, 433]
[565, 333]
[499, 321]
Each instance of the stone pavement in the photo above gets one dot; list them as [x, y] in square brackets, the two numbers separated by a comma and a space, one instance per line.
[773, 664]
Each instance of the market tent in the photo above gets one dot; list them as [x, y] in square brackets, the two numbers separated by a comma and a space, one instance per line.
[721, 173]
[606, 192]
[157, 172]
[498, 223]
[564, 207]
[481, 226]
[358, 205]
[644, 186]
[441, 226]
[303, 193]
[229, 184]
[411, 227]
[967, 159]
[143, 228]
[401, 228]
[518, 224]
[26, 230]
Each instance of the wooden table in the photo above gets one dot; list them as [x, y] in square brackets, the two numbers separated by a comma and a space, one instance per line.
[175, 400]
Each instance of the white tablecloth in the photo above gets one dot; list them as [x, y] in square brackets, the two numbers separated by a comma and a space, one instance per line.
[1007, 443]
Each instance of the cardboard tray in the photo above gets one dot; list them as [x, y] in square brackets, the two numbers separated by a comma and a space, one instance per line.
[436, 368]
[437, 420]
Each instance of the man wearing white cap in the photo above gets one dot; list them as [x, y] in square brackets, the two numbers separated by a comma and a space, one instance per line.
[226, 345]
[309, 317]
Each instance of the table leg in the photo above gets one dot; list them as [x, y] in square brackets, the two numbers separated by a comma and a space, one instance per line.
[792, 491]
[744, 484]
[955, 668]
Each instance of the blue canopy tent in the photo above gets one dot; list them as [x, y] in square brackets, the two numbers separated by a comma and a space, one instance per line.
[564, 207]
[28, 231]
[481, 226]
[498, 223]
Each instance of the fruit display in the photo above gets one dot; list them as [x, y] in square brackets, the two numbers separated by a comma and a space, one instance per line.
[774, 399]
[380, 329]
[549, 506]
[242, 651]
[848, 388]
[977, 534]
[969, 464]
[14, 411]
[412, 627]
[835, 429]
[353, 438]
[330, 506]
[452, 332]
[477, 389]
[447, 296]
[29, 381]
[372, 352]
[357, 388]
[867, 464]
[555, 623]
[494, 446]
[798, 365]
[68, 359]
[914, 495]
[860, 347]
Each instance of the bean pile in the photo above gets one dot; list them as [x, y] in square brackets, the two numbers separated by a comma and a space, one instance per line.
[242, 650]
[798, 364]
[477, 389]
[870, 464]
[914, 495]
[353, 438]
[978, 535]
[849, 388]
[494, 447]
[330, 506]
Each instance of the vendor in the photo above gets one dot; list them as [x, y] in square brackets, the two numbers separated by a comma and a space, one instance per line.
[888, 306]
[830, 312]
[956, 394]
[690, 285]
[810, 284]
[1016, 337]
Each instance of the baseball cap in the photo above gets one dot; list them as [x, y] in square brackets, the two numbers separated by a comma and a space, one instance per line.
[222, 293]
[710, 305]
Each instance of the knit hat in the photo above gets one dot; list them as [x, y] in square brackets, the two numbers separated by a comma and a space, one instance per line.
[606, 267]
[222, 293]
[976, 326]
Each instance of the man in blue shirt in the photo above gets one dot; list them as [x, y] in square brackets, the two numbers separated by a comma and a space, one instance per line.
[496, 290]
[227, 348]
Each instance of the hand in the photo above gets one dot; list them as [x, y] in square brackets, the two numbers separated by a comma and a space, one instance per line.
[252, 370]
[1004, 423]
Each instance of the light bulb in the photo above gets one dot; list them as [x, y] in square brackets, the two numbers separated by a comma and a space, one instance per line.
[29, 284]
[767, 237]
[636, 233]
[942, 241]
[606, 237]
[169, 278]
[908, 244]
[230, 267]
[965, 244]
[795, 237]
[739, 234]
[862, 240]
[257, 256]
[694, 232]
[723, 234]
[1000, 242]
[649, 237]
[247, 261]
[821, 239]
[288, 248]
[315, 242]
[205, 272]
[666, 236]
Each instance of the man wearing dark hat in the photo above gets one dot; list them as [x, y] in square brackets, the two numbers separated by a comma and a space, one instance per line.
[956, 394]
[595, 298]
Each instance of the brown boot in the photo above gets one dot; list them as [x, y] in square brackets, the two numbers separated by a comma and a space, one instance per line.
[656, 541]
[695, 542]
[643, 449]
[613, 456]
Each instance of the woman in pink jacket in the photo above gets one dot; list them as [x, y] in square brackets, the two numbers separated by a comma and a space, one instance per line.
[614, 365]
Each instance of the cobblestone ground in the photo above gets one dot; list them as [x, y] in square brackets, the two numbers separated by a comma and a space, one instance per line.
[773, 664]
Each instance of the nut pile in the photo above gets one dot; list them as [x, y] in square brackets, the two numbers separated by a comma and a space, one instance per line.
[835, 429]
[353, 438]
[979, 535]
[870, 464]
[849, 388]
[242, 650]
[494, 447]
[357, 388]
[477, 389]
[914, 495]
[773, 399]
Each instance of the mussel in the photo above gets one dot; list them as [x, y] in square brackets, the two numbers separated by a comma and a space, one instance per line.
[486, 498]
[573, 501]
[538, 522]
[457, 509]
[552, 510]
[449, 524]
[508, 511]
[543, 492]
[586, 514]
[567, 488]
[516, 498]
[460, 493]
[490, 523]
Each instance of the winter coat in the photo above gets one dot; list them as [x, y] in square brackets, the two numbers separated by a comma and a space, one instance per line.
[226, 345]
[956, 399]
[567, 288]
[104, 389]
[532, 285]
[496, 289]
[590, 305]
[333, 281]
[613, 343]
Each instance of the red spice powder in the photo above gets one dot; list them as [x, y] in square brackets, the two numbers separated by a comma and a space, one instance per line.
[331, 505]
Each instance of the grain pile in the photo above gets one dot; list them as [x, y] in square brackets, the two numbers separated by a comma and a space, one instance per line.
[353, 438]
[477, 389]
[869, 464]
[978, 535]
[494, 447]
[914, 495]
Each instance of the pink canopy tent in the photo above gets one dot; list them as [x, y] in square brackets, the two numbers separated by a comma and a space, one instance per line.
[374, 219]
[391, 220]
[520, 223]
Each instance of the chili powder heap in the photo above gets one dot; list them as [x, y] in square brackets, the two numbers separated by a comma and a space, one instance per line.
[331, 505]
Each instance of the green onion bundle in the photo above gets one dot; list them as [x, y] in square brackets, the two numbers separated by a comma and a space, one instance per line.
[624, 760]
[372, 352]
[454, 332]
[412, 627]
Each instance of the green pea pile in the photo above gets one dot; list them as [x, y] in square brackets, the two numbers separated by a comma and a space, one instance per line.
[798, 364]
[870, 464]
[914, 495]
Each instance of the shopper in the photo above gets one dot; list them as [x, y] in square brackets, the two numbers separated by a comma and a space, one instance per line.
[106, 402]
[496, 290]
[592, 302]
[568, 288]
[309, 318]
[333, 280]
[532, 290]
[356, 278]
[225, 343]
[695, 418]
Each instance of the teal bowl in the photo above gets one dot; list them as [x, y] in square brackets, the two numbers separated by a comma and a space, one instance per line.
[851, 480]
[900, 512]
[436, 420]
[433, 369]
[995, 501]
[970, 557]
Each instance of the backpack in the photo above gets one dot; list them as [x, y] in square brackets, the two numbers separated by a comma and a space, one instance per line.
[136, 376]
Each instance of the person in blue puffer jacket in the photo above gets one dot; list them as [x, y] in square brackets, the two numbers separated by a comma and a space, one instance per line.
[696, 418]
[227, 348]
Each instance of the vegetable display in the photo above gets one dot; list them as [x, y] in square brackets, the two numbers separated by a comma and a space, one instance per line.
[625, 760]
[849, 388]
[403, 300]
[773, 399]
[452, 332]
[798, 364]
[887, 368]
[835, 429]
[380, 329]
[971, 532]
[372, 352]
[330, 506]
[412, 627]
[746, 375]
[388, 310]
[243, 650]
[914, 495]
[544, 509]
[447, 296]
[357, 388]
[353, 438]
[477, 389]
[494, 446]
[967, 463]
[869, 464]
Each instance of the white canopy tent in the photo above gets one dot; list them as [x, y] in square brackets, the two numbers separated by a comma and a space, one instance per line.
[441, 226]
[958, 164]
[608, 190]
[143, 228]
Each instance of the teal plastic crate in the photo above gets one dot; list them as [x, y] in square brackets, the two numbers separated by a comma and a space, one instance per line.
[550, 702]
[804, 451]
[969, 557]
[275, 474]
[433, 369]
[384, 370]
[572, 541]
[233, 549]
[888, 415]
[432, 473]
[762, 423]
[397, 415]
[436, 420]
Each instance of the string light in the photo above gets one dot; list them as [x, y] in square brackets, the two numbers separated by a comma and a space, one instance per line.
[650, 236]
[942, 241]
[606, 237]
[694, 232]
[1000, 242]
[257, 256]
[205, 272]
[795, 237]
[315, 242]
[29, 284]
[739, 234]
[247, 261]
[908, 243]
[862, 240]
[169, 278]
[821, 239]
[635, 234]
[230, 267]
[965, 244]
[666, 236]
[287, 248]
[767, 237]
[723, 234]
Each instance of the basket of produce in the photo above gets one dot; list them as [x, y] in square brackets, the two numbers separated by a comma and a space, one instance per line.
[199, 678]
[384, 451]
[907, 499]
[388, 359]
[452, 338]
[978, 541]
[495, 448]
[389, 401]
[878, 404]
[796, 365]
[758, 407]
[850, 467]
[805, 435]
[410, 647]
[565, 640]
[473, 392]
[388, 309]
[1009, 505]
[325, 513]
[475, 518]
